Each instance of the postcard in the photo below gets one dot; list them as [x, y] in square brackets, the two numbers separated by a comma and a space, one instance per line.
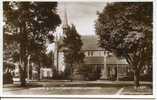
[92, 49]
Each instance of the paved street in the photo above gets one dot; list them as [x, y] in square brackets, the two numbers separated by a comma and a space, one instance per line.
[77, 88]
[62, 91]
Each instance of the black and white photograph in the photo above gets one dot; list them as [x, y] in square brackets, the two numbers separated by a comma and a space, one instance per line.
[77, 48]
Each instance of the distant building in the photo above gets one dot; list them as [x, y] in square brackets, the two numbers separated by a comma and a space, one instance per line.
[46, 73]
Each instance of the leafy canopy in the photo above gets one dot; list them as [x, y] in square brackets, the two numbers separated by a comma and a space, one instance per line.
[126, 30]
[30, 24]
[73, 43]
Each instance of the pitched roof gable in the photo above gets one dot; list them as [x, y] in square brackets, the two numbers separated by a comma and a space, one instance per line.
[90, 42]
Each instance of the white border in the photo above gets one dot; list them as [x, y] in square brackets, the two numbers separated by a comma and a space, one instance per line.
[85, 0]
[154, 48]
[88, 96]
[1, 48]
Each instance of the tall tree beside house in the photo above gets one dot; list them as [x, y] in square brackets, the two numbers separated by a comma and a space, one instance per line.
[73, 55]
[32, 21]
[126, 30]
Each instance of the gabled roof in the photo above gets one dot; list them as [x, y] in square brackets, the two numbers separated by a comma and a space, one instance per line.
[90, 42]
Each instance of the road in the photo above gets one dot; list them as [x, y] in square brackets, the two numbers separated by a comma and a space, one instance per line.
[75, 88]
[61, 91]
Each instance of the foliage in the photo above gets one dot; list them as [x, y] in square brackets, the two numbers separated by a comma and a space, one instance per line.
[90, 72]
[32, 21]
[126, 30]
[47, 59]
[72, 44]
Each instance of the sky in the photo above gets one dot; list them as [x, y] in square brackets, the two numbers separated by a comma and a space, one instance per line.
[81, 14]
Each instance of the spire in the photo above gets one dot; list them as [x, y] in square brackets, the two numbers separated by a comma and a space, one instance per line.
[65, 20]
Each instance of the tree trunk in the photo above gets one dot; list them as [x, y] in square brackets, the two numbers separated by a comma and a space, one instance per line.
[22, 68]
[136, 77]
[39, 71]
[22, 79]
[23, 58]
[57, 62]
[71, 73]
[30, 72]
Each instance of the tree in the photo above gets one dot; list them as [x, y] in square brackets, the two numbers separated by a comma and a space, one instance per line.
[48, 59]
[32, 22]
[73, 55]
[126, 30]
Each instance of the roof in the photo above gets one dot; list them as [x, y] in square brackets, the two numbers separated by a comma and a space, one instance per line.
[90, 42]
[94, 60]
[115, 60]
[101, 60]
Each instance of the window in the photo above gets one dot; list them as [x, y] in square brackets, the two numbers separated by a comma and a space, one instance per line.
[104, 52]
[91, 53]
[88, 53]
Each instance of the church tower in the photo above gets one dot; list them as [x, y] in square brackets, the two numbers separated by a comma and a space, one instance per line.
[59, 56]
[65, 22]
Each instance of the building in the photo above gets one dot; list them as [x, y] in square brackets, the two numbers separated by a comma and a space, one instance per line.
[112, 68]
